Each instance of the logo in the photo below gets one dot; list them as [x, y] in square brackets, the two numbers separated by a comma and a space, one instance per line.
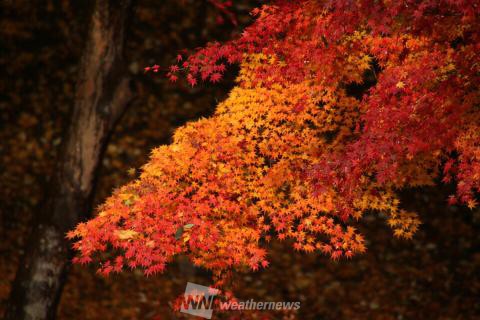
[198, 300]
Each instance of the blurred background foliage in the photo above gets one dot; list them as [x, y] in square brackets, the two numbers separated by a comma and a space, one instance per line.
[434, 276]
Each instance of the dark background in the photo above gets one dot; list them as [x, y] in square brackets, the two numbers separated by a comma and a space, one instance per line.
[434, 276]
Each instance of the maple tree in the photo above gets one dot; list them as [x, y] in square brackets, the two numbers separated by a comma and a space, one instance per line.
[338, 106]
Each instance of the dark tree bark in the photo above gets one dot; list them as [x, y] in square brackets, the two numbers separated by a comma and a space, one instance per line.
[102, 95]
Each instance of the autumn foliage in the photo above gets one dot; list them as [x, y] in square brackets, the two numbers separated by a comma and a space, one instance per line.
[337, 107]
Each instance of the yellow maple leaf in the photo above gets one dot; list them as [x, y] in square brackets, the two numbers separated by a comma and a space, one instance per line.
[126, 234]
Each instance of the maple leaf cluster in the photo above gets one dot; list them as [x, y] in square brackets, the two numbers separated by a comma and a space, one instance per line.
[295, 152]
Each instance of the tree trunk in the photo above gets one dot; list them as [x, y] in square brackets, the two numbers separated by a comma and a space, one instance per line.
[102, 95]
